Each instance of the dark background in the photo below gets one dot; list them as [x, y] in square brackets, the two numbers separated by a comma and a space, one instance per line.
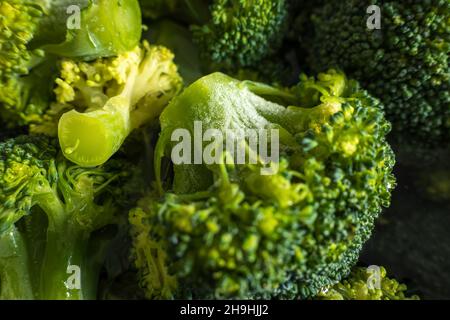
[412, 237]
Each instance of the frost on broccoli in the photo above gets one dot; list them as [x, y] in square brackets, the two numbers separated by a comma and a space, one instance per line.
[405, 63]
[109, 98]
[364, 284]
[227, 231]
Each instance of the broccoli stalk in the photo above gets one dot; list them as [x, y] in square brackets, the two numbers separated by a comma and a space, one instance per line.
[72, 217]
[15, 279]
[35, 179]
[138, 83]
[106, 28]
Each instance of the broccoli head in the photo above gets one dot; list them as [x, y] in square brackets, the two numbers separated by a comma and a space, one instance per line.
[35, 181]
[241, 33]
[231, 230]
[110, 97]
[365, 284]
[32, 33]
[405, 62]
[24, 94]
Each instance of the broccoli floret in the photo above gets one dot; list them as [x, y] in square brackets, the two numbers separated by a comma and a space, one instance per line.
[241, 33]
[365, 284]
[19, 21]
[232, 35]
[36, 179]
[226, 230]
[188, 59]
[23, 96]
[110, 97]
[405, 63]
[33, 32]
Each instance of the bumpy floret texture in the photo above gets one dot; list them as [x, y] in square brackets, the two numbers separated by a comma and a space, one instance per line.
[37, 181]
[22, 99]
[285, 235]
[25, 164]
[110, 97]
[405, 63]
[18, 22]
[241, 33]
[367, 284]
[34, 32]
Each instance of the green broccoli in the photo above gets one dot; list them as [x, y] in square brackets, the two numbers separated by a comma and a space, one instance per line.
[34, 32]
[109, 98]
[241, 33]
[24, 92]
[365, 284]
[226, 230]
[45, 199]
[231, 34]
[107, 28]
[15, 278]
[405, 63]
[24, 98]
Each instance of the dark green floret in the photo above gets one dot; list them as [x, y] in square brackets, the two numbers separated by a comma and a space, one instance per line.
[241, 33]
[405, 63]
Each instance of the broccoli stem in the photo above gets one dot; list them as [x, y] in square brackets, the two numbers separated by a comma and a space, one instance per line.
[89, 139]
[268, 92]
[15, 280]
[65, 272]
[64, 266]
[33, 227]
